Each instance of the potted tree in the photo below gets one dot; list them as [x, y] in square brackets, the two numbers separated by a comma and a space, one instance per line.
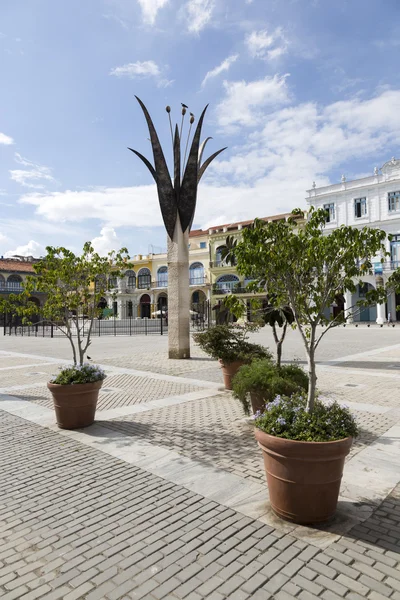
[300, 264]
[74, 286]
[262, 381]
[230, 346]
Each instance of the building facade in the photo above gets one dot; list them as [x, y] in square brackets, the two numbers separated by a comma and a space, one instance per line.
[374, 202]
[13, 274]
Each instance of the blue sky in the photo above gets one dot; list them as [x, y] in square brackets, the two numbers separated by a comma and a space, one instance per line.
[299, 90]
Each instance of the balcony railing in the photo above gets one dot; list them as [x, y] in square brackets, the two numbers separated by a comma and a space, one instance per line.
[391, 265]
[161, 283]
[197, 280]
[12, 287]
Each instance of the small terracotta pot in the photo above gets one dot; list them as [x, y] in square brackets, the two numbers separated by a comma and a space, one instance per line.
[257, 402]
[303, 477]
[75, 405]
[229, 370]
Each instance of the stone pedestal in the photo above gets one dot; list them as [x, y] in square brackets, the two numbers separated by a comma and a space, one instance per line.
[178, 294]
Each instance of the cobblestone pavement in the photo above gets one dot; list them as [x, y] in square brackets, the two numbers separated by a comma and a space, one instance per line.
[111, 511]
[77, 523]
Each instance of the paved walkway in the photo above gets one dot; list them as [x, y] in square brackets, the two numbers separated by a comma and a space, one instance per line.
[165, 497]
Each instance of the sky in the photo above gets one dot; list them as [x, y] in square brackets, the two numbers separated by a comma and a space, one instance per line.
[299, 91]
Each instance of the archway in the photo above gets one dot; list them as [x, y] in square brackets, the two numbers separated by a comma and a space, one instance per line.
[338, 306]
[2, 283]
[14, 283]
[162, 303]
[365, 313]
[145, 306]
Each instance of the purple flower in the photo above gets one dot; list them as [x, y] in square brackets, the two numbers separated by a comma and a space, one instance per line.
[281, 421]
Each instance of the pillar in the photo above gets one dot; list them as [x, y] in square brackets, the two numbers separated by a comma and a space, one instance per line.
[380, 314]
[348, 306]
[178, 294]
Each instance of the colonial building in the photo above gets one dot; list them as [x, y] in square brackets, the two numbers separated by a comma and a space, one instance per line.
[372, 201]
[13, 274]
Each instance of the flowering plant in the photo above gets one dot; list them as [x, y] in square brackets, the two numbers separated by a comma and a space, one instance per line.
[74, 374]
[287, 417]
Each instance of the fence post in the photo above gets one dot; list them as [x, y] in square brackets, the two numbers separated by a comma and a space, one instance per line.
[130, 325]
[162, 332]
[51, 330]
[5, 323]
[145, 325]
[115, 332]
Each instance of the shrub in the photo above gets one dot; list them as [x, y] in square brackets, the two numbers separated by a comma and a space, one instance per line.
[229, 343]
[267, 380]
[74, 374]
[286, 417]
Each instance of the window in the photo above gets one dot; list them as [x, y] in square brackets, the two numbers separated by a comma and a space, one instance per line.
[360, 207]
[362, 289]
[144, 279]
[394, 201]
[112, 283]
[330, 212]
[162, 277]
[14, 283]
[227, 283]
[196, 274]
[395, 251]
[131, 279]
[203, 245]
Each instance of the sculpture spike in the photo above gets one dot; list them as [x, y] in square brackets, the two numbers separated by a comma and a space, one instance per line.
[177, 164]
[202, 148]
[146, 162]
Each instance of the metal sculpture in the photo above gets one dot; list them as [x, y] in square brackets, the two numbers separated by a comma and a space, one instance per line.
[180, 196]
[177, 197]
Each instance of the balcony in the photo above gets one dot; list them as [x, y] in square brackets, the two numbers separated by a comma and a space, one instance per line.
[161, 283]
[11, 287]
[391, 265]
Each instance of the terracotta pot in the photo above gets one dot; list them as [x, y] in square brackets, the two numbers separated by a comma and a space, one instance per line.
[303, 477]
[229, 370]
[257, 402]
[75, 405]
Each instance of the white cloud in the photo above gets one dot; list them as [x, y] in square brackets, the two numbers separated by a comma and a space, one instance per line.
[32, 248]
[267, 45]
[243, 102]
[6, 139]
[224, 66]
[268, 174]
[33, 176]
[141, 70]
[106, 241]
[150, 9]
[198, 14]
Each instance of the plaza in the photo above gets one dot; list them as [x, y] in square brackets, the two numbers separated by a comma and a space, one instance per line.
[164, 497]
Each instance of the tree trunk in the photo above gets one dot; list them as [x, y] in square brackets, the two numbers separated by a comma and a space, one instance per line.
[312, 380]
[279, 353]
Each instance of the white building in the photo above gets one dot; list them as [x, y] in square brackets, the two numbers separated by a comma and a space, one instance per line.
[375, 202]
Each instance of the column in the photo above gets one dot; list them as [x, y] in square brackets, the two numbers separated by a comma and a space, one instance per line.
[380, 314]
[178, 294]
[348, 306]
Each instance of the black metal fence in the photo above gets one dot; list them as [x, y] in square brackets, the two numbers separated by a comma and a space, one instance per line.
[153, 322]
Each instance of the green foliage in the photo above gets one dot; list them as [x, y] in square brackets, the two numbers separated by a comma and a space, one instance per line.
[267, 380]
[74, 286]
[229, 343]
[74, 374]
[303, 267]
[288, 418]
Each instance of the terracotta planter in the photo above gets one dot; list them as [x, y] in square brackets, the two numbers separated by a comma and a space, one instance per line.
[303, 477]
[257, 402]
[229, 370]
[75, 405]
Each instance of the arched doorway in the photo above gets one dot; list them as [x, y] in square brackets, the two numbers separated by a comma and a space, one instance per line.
[162, 303]
[2, 283]
[145, 306]
[365, 313]
[338, 306]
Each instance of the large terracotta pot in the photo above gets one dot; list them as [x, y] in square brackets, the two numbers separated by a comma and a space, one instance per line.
[75, 405]
[229, 370]
[303, 477]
